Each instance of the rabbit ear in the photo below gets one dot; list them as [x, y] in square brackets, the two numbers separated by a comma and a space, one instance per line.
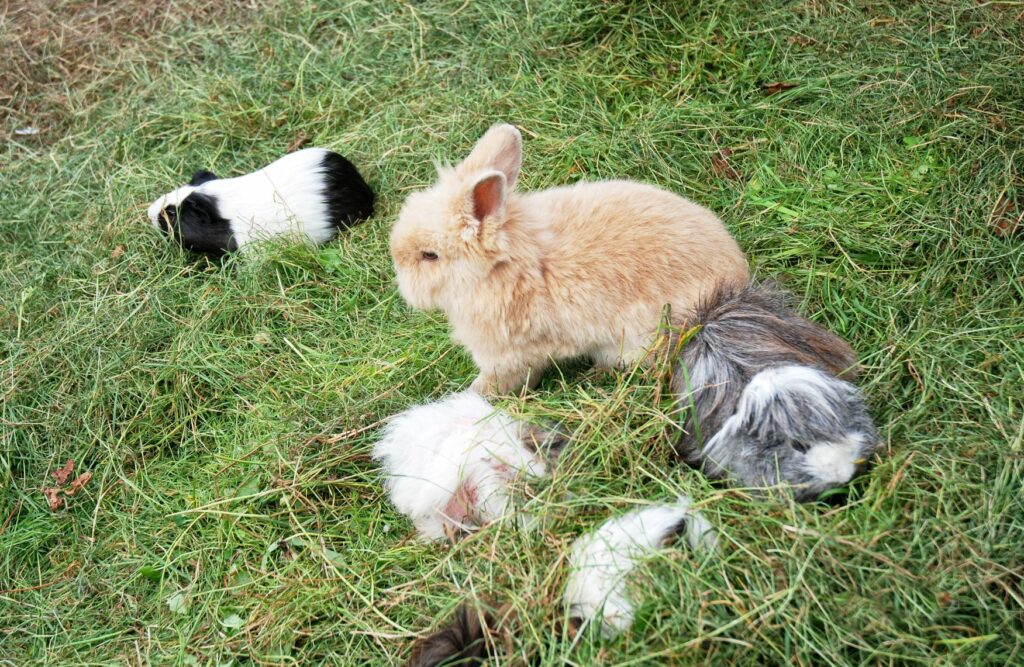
[485, 206]
[488, 195]
[501, 150]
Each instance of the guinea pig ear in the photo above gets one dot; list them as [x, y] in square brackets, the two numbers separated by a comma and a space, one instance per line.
[202, 176]
[500, 149]
[487, 198]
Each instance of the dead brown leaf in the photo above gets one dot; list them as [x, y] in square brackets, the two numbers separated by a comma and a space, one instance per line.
[1003, 221]
[53, 497]
[62, 474]
[79, 482]
[720, 165]
[300, 140]
[912, 369]
[776, 87]
[117, 252]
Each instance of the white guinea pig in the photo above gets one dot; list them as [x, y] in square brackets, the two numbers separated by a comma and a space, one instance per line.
[312, 193]
[601, 561]
[448, 464]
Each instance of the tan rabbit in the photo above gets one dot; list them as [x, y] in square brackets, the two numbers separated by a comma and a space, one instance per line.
[582, 270]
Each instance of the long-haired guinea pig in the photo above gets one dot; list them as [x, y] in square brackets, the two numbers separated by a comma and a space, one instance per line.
[312, 194]
[448, 464]
[765, 395]
[583, 270]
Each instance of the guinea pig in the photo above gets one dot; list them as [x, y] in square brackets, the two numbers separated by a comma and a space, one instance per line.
[311, 194]
[583, 270]
[600, 561]
[763, 397]
[448, 464]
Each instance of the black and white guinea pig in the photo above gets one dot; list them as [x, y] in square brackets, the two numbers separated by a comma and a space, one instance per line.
[312, 193]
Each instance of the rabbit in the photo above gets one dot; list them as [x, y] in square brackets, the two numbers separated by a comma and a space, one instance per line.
[764, 398]
[600, 563]
[311, 193]
[448, 464]
[588, 270]
[582, 270]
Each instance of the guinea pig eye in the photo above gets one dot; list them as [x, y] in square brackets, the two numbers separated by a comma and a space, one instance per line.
[428, 256]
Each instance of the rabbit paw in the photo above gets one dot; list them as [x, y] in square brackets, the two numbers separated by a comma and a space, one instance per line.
[493, 384]
[483, 384]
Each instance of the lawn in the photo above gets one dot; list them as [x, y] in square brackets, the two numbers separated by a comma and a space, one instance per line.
[869, 155]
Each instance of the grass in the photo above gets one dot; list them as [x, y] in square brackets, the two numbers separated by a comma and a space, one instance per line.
[226, 410]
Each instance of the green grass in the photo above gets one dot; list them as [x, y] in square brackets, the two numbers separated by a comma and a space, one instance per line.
[226, 410]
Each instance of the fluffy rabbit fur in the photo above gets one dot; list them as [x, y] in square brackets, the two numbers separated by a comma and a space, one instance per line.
[529, 278]
[588, 269]
[448, 464]
[601, 561]
[597, 589]
[762, 400]
[311, 193]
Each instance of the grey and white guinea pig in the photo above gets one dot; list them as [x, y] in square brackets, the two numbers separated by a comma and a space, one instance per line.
[312, 193]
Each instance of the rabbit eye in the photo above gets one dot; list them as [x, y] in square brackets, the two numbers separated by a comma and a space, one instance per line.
[429, 256]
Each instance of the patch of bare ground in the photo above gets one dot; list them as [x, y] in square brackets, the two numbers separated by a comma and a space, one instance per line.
[59, 57]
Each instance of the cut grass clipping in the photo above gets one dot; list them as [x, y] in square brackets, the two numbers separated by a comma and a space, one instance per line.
[869, 155]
